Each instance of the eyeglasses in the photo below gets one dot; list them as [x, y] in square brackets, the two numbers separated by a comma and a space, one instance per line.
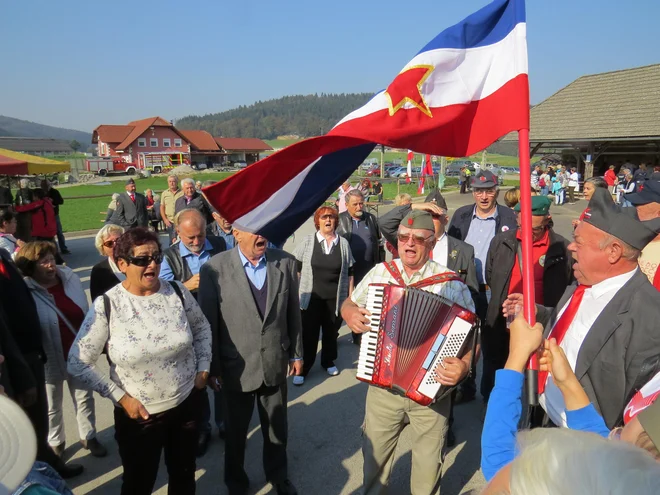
[417, 239]
[110, 244]
[326, 217]
[143, 261]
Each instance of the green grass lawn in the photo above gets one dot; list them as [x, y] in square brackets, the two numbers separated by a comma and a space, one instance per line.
[85, 214]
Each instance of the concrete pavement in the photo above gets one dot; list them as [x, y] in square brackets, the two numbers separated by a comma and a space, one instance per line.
[325, 416]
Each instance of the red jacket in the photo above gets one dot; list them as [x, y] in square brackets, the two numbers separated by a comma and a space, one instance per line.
[43, 217]
[610, 177]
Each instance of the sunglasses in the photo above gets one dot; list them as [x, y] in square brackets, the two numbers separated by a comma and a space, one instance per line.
[143, 261]
[110, 244]
[417, 239]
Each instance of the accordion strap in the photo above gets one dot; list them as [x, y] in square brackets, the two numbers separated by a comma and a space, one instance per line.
[438, 278]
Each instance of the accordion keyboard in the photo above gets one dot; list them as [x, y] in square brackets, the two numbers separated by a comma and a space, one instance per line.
[369, 341]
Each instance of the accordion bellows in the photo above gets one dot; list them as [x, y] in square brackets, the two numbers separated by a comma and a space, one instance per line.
[412, 331]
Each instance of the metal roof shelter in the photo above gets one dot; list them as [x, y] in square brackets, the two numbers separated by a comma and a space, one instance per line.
[601, 120]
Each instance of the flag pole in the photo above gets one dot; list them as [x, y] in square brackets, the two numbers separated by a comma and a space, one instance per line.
[529, 307]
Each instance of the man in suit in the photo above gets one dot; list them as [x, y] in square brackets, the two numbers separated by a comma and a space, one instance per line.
[132, 208]
[182, 261]
[361, 231]
[250, 297]
[552, 274]
[607, 324]
[476, 225]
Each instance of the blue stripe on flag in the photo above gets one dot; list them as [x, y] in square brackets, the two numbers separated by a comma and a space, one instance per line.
[487, 26]
[321, 182]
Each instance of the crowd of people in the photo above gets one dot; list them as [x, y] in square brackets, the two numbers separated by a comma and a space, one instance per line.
[221, 308]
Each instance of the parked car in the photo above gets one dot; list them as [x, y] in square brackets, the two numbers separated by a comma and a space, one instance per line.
[399, 173]
[240, 164]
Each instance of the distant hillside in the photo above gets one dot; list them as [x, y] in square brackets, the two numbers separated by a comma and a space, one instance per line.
[299, 115]
[24, 128]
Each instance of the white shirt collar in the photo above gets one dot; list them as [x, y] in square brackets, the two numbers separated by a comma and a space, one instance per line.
[326, 248]
[613, 283]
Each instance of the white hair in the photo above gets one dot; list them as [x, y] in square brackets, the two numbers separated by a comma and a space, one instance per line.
[187, 181]
[629, 253]
[24, 183]
[106, 231]
[559, 461]
[113, 201]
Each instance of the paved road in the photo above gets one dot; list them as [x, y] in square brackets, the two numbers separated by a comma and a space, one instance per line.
[325, 416]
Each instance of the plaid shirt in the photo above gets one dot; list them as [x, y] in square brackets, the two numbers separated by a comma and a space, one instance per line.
[455, 291]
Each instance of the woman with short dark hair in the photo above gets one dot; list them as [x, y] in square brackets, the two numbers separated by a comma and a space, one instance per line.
[326, 280]
[159, 347]
[61, 305]
[7, 230]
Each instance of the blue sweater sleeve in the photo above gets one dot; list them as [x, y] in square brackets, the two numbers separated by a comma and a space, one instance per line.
[498, 439]
[587, 419]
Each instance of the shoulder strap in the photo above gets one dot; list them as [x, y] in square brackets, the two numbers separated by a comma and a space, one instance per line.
[59, 313]
[107, 307]
[519, 252]
[177, 289]
[391, 267]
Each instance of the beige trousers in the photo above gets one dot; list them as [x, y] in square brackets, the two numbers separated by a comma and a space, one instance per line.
[385, 418]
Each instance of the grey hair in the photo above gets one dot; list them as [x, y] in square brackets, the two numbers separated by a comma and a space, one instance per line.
[187, 181]
[101, 235]
[113, 201]
[354, 193]
[597, 181]
[175, 176]
[629, 253]
[24, 183]
[186, 214]
[559, 461]
[400, 198]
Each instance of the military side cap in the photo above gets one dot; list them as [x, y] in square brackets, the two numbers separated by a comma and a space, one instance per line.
[622, 223]
[483, 179]
[130, 181]
[418, 219]
[648, 192]
[650, 421]
[437, 198]
[540, 206]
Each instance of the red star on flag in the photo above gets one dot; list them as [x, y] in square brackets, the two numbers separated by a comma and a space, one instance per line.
[407, 88]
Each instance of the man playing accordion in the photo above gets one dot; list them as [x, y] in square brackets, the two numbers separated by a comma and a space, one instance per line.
[386, 412]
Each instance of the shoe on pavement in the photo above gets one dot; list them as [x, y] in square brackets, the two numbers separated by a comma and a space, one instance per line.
[222, 430]
[203, 443]
[333, 371]
[286, 488]
[65, 251]
[298, 380]
[67, 471]
[451, 438]
[95, 447]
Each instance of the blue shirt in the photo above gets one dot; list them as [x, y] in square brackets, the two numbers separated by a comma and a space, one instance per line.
[228, 237]
[256, 274]
[193, 261]
[498, 438]
[480, 233]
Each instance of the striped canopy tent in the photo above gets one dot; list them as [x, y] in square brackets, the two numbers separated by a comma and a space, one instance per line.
[14, 163]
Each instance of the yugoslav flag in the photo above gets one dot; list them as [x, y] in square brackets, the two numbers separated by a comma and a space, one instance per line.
[460, 93]
[411, 157]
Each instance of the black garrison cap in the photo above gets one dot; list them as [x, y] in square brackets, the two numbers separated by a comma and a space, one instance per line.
[436, 197]
[622, 223]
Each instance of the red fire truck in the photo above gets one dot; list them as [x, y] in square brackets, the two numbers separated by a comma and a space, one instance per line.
[111, 165]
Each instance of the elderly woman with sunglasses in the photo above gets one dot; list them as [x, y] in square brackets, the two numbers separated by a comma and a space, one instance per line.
[61, 305]
[326, 280]
[159, 347]
[105, 274]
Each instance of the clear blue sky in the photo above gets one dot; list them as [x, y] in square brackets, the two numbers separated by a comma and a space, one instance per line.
[79, 64]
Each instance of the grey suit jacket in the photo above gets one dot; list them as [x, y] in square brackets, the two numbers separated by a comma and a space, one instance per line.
[620, 350]
[249, 352]
[131, 214]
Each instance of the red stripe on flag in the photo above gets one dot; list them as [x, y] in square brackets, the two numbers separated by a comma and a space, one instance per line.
[455, 130]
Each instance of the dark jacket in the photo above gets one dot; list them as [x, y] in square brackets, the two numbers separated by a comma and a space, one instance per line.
[130, 214]
[463, 260]
[56, 198]
[557, 272]
[198, 203]
[6, 197]
[461, 219]
[345, 229]
[15, 374]
[180, 270]
[620, 350]
[102, 279]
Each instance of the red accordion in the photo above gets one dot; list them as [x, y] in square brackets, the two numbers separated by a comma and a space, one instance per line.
[412, 331]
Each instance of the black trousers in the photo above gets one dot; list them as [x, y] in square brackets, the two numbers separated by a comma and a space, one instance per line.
[320, 314]
[218, 407]
[271, 406]
[142, 441]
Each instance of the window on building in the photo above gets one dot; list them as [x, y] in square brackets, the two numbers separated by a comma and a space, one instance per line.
[142, 142]
[167, 142]
[153, 142]
[177, 143]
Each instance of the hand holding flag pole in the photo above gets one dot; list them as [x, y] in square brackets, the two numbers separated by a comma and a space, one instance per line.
[529, 308]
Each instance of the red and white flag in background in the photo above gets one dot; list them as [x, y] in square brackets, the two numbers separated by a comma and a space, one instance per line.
[411, 157]
[427, 169]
